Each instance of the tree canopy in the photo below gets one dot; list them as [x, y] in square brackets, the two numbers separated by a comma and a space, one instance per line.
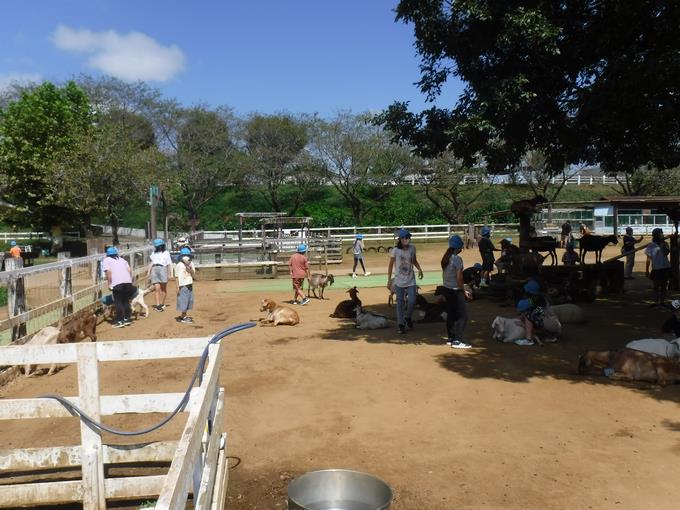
[579, 81]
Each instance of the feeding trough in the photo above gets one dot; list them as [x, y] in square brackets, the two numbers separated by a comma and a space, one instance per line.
[338, 489]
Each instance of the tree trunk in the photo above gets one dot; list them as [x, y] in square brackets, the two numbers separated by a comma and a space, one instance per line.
[114, 229]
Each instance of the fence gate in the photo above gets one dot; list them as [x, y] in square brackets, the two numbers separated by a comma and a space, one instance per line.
[198, 462]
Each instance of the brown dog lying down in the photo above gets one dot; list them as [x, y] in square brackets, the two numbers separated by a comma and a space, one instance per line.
[631, 365]
[278, 315]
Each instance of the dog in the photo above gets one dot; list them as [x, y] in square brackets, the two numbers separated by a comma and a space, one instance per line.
[277, 315]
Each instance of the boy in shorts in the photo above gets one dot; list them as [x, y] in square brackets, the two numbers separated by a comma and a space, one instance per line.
[299, 270]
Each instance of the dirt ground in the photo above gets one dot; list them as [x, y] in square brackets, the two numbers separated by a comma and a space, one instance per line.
[498, 426]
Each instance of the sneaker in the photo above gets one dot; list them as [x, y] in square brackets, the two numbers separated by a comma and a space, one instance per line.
[550, 340]
[409, 323]
[450, 341]
[304, 301]
[354, 275]
[523, 341]
[457, 344]
[159, 308]
[402, 329]
[186, 320]
[127, 322]
[367, 273]
[483, 285]
[119, 324]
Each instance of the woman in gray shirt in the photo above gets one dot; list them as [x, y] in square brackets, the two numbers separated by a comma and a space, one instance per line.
[455, 294]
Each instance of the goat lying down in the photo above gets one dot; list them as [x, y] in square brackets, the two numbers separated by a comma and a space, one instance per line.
[631, 365]
[509, 329]
[370, 320]
[278, 315]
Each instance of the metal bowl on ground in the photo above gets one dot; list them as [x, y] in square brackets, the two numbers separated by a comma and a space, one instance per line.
[338, 489]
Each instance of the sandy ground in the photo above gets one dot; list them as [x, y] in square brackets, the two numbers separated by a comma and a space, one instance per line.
[498, 426]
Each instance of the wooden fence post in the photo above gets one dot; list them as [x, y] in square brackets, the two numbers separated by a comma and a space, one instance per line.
[94, 495]
[66, 285]
[96, 276]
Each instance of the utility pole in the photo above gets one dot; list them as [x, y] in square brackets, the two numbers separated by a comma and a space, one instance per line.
[153, 202]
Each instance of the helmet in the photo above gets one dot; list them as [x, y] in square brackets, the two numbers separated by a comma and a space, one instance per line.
[629, 230]
[404, 234]
[569, 246]
[657, 232]
[477, 266]
[12, 243]
[532, 287]
[456, 242]
[111, 250]
[185, 251]
[523, 305]
[486, 232]
[302, 248]
[360, 236]
[158, 242]
[507, 240]
[675, 304]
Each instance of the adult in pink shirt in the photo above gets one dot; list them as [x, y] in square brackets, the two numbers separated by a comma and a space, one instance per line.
[119, 279]
[299, 270]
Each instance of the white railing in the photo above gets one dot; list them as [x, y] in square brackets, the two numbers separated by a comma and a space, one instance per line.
[7, 236]
[574, 180]
[198, 460]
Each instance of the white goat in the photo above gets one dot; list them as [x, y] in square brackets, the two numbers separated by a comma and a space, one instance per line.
[569, 313]
[507, 329]
[370, 320]
[46, 336]
[658, 346]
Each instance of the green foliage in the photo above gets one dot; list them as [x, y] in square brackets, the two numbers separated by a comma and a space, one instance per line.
[595, 82]
[3, 296]
[43, 124]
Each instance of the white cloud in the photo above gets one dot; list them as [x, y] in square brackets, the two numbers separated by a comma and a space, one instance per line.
[7, 79]
[132, 56]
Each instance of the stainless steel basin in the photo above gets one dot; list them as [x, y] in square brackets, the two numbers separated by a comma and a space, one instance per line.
[338, 489]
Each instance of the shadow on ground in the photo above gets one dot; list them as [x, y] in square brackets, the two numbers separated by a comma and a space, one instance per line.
[613, 321]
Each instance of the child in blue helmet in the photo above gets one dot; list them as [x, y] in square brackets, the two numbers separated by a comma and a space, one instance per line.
[358, 252]
[403, 257]
[299, 270]
[473, 275]
[570, 257]
[119, 280]
[532, 317]
[184, 272]
[160, 271]
[455, 294]
[486, 249]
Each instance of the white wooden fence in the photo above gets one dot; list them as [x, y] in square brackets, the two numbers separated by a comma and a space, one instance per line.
[40, 295]
[198, 459]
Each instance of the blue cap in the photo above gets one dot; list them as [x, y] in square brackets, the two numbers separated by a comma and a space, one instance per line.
[456, 242]
[477, 265]
[486, 231]
[158, 242]
[532, 287]
[302, 248]
[404, 234]
[111, 250]
[185, 251]
[360, 236]
[12, 243]
[523, 305]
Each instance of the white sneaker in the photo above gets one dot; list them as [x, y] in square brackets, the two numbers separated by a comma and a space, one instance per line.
[354, 275]
[457, 344]
[367, 273]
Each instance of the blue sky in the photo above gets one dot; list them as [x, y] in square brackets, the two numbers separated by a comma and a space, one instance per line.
[253, 55]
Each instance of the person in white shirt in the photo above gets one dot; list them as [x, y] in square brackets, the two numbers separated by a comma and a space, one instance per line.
[184, 272]
[403, 257]
[657, 257]
[160, 271]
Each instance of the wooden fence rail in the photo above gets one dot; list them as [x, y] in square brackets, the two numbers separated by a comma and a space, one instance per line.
[197, 459]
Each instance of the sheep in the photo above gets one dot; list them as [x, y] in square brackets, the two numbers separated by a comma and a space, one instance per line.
[277, 315]
[366, 319]
[594, 243]
[319, 281]
[346, 308]
[658, 346]
[569, 313]
[46, 336]
[507, 330]
[632, 365]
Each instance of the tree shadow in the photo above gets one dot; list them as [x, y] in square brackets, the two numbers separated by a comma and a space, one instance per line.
[612, 322]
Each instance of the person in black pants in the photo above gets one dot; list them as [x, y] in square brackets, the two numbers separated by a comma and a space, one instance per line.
[119, 279]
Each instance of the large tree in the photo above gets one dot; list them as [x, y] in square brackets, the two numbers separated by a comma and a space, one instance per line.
[202, 156]
[43, 124]
[580, 81]
[359, 160]
[276, 159]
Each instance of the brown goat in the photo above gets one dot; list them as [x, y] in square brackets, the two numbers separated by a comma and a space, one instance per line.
[278, 315]
[82, 323]
[631, 365]
[347, 309]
